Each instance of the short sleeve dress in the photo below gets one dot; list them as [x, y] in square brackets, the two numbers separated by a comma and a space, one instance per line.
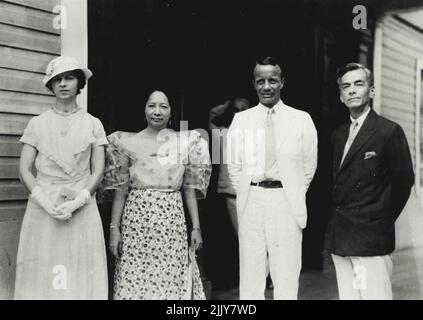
[154, 261]
[62, 259]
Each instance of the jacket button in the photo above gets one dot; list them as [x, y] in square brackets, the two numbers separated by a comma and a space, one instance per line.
[358, 185]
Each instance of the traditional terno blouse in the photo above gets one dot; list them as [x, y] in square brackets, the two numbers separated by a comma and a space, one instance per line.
[181, 161]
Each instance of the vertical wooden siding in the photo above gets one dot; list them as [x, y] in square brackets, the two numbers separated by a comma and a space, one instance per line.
[402, 46]
[28, 41]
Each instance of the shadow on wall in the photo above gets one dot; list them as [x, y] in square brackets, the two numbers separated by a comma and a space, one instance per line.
[9, 238]
[6, 275]
[407, 278]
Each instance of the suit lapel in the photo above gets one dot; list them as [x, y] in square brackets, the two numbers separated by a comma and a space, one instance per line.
[283, 126]
[339, 146]
[366, 131]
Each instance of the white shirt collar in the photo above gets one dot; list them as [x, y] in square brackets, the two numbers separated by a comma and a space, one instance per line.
[361, 118]
[277, 107]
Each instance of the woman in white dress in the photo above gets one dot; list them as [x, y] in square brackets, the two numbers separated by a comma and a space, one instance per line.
[61, 253]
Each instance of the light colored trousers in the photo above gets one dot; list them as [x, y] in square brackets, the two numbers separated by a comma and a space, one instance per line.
[267, 227]
[363, 278]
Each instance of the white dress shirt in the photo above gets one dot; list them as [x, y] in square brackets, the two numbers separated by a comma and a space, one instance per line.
[360, 119]
[273, 173]
[355, 127]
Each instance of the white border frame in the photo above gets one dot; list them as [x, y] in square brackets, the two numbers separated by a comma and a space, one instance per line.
[377, 64]
[417, 141]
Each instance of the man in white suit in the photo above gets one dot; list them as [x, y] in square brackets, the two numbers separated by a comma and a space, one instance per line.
[272, 158]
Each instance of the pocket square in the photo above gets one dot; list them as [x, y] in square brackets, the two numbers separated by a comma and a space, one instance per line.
[369, 155]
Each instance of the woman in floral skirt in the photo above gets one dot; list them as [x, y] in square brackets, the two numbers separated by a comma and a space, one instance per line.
[148, 233]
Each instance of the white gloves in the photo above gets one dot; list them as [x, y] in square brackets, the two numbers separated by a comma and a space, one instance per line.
[66, 209]
[41, 198]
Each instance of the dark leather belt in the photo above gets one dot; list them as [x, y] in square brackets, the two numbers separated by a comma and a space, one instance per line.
[268, 184]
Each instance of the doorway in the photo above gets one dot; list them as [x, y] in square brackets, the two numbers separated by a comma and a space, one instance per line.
[419, 128]
[203, 52]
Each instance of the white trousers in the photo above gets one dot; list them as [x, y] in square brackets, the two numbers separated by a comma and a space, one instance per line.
[268, 228]
[364, 278]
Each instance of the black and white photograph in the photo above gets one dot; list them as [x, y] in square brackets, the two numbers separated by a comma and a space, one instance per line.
[225, 151]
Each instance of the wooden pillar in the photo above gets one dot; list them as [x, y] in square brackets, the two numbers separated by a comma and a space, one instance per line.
[74, 40]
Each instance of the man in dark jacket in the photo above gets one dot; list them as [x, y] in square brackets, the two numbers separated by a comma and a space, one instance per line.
[372, 176]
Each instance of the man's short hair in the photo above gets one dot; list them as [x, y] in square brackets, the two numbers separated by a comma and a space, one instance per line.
[355, 66]
[268, 60]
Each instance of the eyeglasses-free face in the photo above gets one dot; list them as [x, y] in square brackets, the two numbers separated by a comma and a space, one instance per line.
[157, 110]
[268, 84]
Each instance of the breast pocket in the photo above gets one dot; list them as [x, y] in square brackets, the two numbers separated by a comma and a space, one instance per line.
[369, 162]
[370, 166]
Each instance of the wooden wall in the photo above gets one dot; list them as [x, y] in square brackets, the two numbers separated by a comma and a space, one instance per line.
[28, 40]
[402, 46]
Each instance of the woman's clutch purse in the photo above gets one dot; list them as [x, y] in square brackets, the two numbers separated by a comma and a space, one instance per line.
[65, 194]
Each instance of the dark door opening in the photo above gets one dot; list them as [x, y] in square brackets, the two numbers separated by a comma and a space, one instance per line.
[202, 53]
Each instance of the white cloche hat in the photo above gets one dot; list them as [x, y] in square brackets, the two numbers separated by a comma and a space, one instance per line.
[62, 64]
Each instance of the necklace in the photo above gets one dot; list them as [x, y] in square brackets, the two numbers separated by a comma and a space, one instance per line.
[64, 123]
[63, 113]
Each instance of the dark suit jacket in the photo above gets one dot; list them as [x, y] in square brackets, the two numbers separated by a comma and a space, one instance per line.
[369, 194]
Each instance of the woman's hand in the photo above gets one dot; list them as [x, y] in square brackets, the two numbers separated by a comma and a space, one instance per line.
[115, 242]
[196, 239]
[64, 212]
[41, 198]
[66, 209]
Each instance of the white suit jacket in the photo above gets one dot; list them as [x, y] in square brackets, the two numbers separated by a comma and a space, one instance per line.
[296, 143]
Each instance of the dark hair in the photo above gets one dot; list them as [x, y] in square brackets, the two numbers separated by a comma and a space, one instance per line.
[225, 119]
[79, 74]
[173, 124]
[268, 60]
[355, 66]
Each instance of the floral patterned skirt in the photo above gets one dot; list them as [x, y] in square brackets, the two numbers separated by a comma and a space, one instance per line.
[154, 262]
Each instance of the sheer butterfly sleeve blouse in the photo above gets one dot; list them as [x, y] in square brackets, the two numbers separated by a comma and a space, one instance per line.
[179, 160]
